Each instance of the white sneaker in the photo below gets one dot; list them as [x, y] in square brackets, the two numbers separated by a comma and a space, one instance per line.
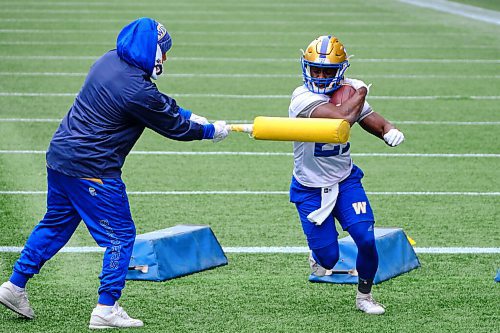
[367, 304]
[116, 318]
[317, 269]
[15, 300]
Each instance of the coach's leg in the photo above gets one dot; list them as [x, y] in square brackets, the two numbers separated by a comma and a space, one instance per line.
[106, 212]
[46, 239]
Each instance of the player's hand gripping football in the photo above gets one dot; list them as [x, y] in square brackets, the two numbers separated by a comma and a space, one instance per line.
[394, 137]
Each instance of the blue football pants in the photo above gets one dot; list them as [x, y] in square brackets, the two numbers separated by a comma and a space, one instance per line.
[323, 239]
[105, 210]
[367, 258]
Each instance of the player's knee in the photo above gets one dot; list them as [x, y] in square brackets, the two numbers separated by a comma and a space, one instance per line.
[327, 256]
[366, 244]
[364, 237]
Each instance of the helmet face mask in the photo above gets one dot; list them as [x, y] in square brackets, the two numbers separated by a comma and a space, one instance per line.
[324, 55]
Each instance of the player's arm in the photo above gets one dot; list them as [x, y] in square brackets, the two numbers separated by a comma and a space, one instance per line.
[377, 125]
[349, 110]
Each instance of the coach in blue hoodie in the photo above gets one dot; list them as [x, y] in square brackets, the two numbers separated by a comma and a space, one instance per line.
[116, 103]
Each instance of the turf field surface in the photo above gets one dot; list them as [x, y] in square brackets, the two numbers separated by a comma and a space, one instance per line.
[435, 75]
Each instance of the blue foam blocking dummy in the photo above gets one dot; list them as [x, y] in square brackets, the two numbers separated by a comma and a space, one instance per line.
[173, 252]
[396, 256]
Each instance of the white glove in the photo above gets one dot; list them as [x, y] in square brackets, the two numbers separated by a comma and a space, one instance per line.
[221, 131]
[394, 137]
[199, 119]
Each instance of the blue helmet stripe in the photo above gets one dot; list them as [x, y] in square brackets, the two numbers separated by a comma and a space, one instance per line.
[324, 47]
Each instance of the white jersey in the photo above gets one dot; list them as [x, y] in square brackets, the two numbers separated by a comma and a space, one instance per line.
[319, 164]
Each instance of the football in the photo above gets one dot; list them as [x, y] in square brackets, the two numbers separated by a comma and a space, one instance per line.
[342, 94]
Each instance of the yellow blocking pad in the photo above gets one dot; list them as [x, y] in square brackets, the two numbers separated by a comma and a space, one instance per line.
[301, 129]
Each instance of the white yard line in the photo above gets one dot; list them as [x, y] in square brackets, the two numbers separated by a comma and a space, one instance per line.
[268, 193]
[253, 4]
[39, 11]
[389, 98]
[301, 249]
[55, 74]
[234, 22]
[29, 120]
[247, 44]
[279, 249]
[247, 121]
[113, 32]
[449, 7]
[452, 123]
[250, 153]
[181, 9]
[259, 76]
[280, 60]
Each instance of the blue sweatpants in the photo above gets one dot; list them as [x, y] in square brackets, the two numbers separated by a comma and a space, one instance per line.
[353, 212]
[104, 208]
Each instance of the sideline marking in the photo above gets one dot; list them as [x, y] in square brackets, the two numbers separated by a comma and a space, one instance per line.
[473, 12]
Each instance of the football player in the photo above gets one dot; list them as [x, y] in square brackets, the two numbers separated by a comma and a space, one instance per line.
[116, 103]
[326, 185]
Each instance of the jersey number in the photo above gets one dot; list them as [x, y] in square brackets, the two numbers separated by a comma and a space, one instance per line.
[319, 152]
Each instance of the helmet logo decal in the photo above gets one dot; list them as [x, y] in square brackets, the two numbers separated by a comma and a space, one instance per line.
[324, 47]
[164, 39]
[161, 31]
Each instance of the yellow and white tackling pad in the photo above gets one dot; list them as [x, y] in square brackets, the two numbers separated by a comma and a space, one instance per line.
[297, 129]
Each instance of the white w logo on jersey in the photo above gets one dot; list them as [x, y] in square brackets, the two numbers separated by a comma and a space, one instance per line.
[359, 207]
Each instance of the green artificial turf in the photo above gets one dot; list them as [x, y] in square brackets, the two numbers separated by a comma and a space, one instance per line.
[434, 74]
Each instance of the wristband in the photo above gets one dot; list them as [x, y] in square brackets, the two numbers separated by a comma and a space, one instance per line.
[185, 113]
[208, 131]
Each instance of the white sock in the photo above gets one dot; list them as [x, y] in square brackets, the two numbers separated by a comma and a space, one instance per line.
[16, 288]
[104, 309]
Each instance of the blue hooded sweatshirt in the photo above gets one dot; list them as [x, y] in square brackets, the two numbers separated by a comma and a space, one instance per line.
[117, 101]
